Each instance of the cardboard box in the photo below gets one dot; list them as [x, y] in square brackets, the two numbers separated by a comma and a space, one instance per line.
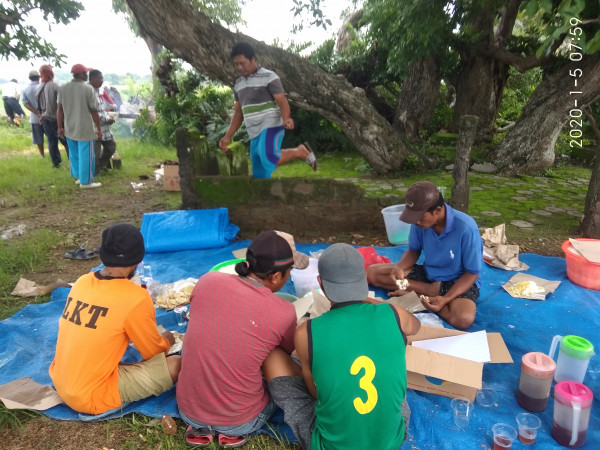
[171, 178]
[456, 377]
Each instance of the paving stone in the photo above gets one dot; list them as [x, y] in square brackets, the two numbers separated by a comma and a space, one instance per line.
[484, 168]
[524, 191]
[386, 186]
[476, 188]
[491, 213]
[520, 199]
[575, 213]
[514, 183]
[522, 224]
[541, 212]
[548, 197]
[562, 183]
[542, 179]
[570, 208]
[555, 209]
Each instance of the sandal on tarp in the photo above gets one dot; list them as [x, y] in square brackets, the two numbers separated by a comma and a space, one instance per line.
[310, 159]
[232, 441]
[198, 437]
[80, 253]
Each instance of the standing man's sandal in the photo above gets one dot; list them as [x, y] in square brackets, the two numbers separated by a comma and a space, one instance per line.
[310, 159]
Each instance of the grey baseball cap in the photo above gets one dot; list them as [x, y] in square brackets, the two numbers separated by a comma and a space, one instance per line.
[342, 271]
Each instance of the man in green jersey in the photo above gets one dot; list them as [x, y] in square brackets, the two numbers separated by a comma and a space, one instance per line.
[350, 392]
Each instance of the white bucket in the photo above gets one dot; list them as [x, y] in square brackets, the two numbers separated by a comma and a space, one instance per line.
[305, 280]
[397, 231]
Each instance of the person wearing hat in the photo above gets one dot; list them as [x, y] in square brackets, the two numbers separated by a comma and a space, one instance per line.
[103, 312]
[46, 97]
[30, 102]
[448, 280]
[77, 115]
[10, 97]
[334, 399]
[236, 323]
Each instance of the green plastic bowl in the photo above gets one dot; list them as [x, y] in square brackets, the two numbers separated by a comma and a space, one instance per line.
[226, 263]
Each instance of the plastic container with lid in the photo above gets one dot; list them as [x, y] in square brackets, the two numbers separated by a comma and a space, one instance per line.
[572, 406]
[573, 357]
[305, 280]
[397, 231]
[537, 370]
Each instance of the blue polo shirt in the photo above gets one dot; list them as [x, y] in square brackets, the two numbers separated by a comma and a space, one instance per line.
[458, 249]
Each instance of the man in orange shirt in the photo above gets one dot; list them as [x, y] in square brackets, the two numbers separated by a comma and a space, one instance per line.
[104, 310]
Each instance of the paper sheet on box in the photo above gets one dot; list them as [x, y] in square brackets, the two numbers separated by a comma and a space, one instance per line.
[471, 346]
[302, 305]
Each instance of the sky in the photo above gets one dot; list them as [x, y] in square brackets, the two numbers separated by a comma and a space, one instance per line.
[101, 39]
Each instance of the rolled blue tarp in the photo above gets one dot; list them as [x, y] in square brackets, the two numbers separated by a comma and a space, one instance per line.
[195, 229]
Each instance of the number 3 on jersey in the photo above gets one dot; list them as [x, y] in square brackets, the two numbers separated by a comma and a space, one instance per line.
[364, 362]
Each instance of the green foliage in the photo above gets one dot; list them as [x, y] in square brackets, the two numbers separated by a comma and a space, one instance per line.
[235, 162]
[565, 20]
[442, 114]
[324, 135]
[518, 89]
[196, 105]
[23, 41]
[324, 56]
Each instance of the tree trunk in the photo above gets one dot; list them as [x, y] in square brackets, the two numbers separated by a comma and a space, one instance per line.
[482, 77]
[460, 188]
[190, 35]
[590, 225]
[479, 90]
[419, 94]
[528, 148]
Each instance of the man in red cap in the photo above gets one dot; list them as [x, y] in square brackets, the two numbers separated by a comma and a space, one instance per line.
[77, 114]
[46, 97]
[448, 280]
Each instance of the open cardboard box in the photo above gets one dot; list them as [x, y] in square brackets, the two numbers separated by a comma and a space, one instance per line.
[461, 377]
[171, 178]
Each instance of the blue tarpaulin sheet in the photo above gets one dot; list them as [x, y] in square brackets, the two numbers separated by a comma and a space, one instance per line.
[171, 231]
[28, 341]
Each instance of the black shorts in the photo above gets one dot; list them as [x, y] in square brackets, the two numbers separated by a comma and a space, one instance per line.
[418, 274]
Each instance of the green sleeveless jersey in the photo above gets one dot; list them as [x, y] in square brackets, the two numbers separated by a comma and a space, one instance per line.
[357, 354]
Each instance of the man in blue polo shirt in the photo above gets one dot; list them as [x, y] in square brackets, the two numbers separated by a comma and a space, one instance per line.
[448, 280]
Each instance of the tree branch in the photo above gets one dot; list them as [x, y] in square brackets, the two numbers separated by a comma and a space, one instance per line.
[522, 63]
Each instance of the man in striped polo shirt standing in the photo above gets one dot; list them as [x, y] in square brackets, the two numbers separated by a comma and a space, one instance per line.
[261, 104]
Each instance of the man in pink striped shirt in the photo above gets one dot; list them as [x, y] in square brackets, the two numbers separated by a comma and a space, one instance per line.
[237, 329]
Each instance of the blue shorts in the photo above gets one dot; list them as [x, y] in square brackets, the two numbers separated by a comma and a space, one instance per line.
[37, 132]
[238, 430]
[265, 151]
